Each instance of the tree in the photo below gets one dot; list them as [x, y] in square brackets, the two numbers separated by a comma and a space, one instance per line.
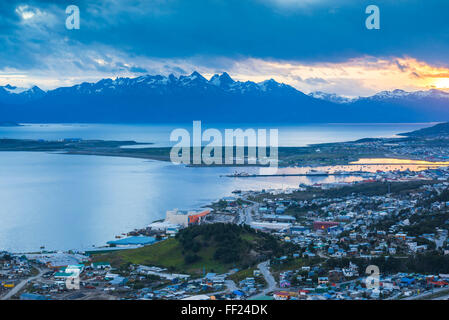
[191, 258]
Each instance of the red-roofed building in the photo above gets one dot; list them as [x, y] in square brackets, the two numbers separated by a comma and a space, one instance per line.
[323, 225]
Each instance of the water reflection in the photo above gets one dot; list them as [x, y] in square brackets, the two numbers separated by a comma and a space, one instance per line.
[364, 165]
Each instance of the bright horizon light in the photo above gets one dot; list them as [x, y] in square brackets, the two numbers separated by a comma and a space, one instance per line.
[442, 83]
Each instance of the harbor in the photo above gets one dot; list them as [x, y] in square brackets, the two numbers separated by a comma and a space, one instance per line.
[310, 174]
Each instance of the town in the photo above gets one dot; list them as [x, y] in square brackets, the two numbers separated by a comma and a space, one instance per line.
[329, 235]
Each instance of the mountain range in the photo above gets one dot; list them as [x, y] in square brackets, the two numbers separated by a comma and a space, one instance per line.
[157, 98]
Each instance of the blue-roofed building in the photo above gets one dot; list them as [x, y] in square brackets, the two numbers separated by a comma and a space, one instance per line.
[229, 199]
[118, 281]
[276, 217]
[238, 293]
[263, 209]
[299, 229]
[280, 210]
[100, 265]
[136, 240]
[210, 276]
[63, 275]
[407, 281]
[32, 296]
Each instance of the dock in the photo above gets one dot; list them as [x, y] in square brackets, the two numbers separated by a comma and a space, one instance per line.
[295, 175]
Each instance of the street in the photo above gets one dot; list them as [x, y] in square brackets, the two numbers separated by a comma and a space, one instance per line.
[271, 282]
[19, 287]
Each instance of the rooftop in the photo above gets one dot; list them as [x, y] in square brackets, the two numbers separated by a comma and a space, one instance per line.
[134, 241]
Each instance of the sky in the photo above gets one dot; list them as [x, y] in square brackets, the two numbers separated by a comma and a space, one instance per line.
[313, 45]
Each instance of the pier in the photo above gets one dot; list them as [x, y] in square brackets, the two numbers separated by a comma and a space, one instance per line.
[295, 175]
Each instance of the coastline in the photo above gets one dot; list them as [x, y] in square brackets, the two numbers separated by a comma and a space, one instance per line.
[310, 156]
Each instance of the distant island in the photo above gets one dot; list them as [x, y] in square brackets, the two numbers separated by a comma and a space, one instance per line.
[339, 153]
[9, 124]
[441, 129]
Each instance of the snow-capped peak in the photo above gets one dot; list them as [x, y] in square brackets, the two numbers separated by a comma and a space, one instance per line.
[332, 97]
[269, 84]
[398, 93]
[13, 89]
[194, 76]
[221, 80]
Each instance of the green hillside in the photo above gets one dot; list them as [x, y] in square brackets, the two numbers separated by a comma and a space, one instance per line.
[212, 248]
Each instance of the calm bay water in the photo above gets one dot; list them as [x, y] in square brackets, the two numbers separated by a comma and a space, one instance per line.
[74, 202]
[289, 136]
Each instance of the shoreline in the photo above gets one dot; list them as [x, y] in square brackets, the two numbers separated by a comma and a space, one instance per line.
[310, 155]
[114, 149]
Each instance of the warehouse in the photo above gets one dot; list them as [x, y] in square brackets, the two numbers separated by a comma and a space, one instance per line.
[138, 240]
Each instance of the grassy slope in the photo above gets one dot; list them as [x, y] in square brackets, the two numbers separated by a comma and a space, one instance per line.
[166, 254]
[220, 247]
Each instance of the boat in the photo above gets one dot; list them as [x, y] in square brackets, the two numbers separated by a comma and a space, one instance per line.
[341, 173]
[240, 174]
[314, 172]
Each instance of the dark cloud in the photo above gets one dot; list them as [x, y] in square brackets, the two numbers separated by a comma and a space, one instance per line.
[138, 70]
[318, 31]
[400, 66]
[175, 70]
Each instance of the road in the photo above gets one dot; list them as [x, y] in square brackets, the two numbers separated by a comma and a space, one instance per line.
[445, 297]
[230, 287]
[440, 241]
[19, 287]
[245, 214]
[428, 294]
[271, 282]
[263, 267]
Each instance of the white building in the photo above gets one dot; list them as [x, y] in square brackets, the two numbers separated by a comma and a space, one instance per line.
[185, 218]
[165, 226]
[270, 225]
